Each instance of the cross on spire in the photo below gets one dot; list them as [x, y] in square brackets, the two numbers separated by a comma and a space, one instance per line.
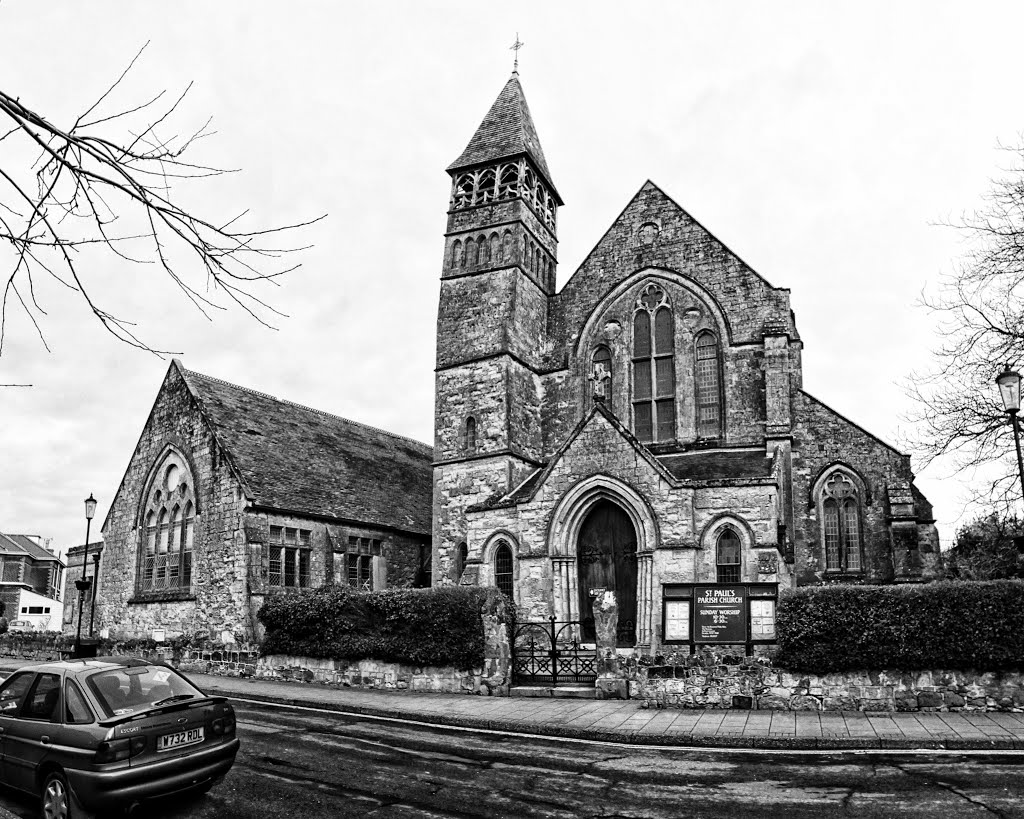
[515, 47]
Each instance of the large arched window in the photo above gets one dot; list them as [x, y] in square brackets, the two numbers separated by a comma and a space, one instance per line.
[168, 531]
[503, 569]
[602, 374]
[708, 380]
[727, 557]
[654, 379]
[840, 523]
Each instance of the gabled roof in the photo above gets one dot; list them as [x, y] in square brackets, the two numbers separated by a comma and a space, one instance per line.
[18, 545]
[505, 132]
[301, 460]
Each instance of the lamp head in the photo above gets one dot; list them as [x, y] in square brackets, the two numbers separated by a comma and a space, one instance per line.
[1009, 389]
[90, 507]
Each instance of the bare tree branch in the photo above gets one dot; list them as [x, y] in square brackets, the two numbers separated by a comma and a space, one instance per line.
[980, 312]
[87, 181]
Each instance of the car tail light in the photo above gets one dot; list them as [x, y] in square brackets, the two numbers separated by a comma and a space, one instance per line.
[223, 726]
[118, 749]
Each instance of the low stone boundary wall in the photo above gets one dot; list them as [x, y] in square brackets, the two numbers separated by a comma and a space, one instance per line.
[709, 680]
[371, 674]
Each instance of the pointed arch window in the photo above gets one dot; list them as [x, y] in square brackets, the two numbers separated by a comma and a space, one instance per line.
[485, 186]
[840, 523]
[503, 569]
[168, 533]
[727, 557]
[708, 380]
[654, 380]
[461, 556]
[469, 441]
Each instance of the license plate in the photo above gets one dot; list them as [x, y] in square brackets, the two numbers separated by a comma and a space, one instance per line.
[170, 741]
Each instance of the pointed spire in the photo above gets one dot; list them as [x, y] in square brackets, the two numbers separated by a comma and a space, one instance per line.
[507, 131]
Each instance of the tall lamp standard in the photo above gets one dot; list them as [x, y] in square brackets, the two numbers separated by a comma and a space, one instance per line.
[84, 584]
[1009, 390]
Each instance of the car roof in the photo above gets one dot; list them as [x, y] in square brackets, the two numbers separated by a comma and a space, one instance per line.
[91, 664]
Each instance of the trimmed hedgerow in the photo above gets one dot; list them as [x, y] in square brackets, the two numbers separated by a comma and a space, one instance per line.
[438, 626]
[939, 625]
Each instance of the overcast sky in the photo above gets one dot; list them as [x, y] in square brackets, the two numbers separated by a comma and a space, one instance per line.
[819, 141]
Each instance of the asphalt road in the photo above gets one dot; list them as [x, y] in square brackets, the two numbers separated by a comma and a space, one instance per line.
[308, 763]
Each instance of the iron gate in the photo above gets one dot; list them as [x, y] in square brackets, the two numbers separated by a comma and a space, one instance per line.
[549, 653]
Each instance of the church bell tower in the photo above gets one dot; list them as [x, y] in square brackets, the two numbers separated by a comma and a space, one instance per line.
[497, 276]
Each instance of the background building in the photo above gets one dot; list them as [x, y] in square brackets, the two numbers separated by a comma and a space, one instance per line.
[31, 578]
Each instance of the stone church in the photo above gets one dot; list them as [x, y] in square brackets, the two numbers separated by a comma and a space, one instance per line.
[646, 425]
[643, 428]
[232, 495]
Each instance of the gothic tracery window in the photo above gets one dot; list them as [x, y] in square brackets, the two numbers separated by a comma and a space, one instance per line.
[654, 386]
[708, 382]
[840, 521]
[165, 559]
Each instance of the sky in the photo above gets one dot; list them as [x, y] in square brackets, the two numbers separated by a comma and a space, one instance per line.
[821, 142]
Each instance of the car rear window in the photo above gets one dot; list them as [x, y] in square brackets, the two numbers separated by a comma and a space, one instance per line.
[136, 688]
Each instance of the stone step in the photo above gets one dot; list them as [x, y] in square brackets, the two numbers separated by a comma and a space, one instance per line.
[582, 692]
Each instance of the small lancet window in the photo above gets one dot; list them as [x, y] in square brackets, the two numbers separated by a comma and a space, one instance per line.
[503, 570]
[485, 250]
[469, 441]
[458, 259]
[461, 555]
[708, 380]
[727, 557]
[471, 251]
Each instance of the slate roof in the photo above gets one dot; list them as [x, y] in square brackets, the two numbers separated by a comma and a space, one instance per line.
[719, 465]
[301, 460]
[506, 131]
[19, 545]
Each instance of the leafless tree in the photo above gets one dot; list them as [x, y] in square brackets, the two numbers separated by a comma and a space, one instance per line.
[106, 182]
[987, 549]
[980, 307]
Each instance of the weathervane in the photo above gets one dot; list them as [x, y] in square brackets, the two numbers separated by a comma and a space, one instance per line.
[515, 47]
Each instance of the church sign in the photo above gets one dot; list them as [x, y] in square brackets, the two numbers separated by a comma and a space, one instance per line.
[721, 613]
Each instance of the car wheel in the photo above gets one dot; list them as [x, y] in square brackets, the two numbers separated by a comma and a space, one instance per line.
[58, 801]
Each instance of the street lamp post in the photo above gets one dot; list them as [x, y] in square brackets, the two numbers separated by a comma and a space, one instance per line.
[1009, 390]
[84, 584]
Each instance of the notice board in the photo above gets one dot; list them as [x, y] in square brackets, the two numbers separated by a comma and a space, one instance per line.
[720, 614]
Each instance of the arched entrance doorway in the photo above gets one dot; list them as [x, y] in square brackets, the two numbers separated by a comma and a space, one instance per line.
[606, 556]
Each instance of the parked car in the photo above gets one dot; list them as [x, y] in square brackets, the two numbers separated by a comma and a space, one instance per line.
[20, 625]
[104, 733]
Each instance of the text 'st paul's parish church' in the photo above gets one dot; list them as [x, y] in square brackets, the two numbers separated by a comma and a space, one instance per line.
[644, 426]
[642, 429]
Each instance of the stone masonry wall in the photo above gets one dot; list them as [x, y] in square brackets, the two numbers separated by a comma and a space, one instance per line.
[655, 232]
[719, 679]
[821, 438]
[217, 600]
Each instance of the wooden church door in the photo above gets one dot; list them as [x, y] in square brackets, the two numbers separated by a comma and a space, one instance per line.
[606, 556]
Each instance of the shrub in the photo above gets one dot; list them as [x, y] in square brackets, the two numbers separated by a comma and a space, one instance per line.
[438, 626]
[950, 625]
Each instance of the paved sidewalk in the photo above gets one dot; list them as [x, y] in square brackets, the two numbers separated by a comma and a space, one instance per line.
[627, 722]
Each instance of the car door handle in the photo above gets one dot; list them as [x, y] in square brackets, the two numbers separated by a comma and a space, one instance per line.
[44, 739]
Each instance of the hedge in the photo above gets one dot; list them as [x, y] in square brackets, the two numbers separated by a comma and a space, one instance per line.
[438, 626]
[946, 625]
